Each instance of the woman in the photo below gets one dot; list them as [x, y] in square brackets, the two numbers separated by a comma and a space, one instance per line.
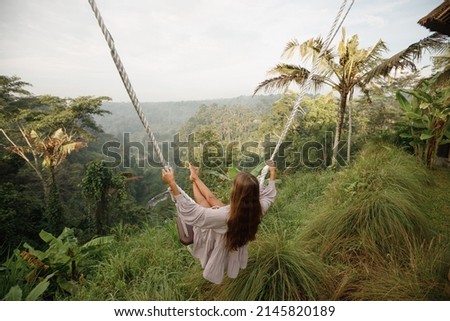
[222, 232]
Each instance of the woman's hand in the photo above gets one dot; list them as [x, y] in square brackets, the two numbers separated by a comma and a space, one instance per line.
[168, 176]
[272, 169]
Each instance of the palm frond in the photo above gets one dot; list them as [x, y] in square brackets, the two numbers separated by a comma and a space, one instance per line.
[308, 49]
[287, 74]
[271, 85]
[290, 48]
[374, 54]
[441, 68]
[442, 61]
[289, 69]
[435, 43]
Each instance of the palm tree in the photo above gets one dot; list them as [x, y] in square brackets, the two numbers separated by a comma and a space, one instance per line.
[44, 152]
[344, 70]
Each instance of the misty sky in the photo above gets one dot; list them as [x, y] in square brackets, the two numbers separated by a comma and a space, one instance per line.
[180, 49]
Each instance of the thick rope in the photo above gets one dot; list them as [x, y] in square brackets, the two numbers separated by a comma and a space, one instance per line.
[308, 82]
[127, 83]
[132, 94]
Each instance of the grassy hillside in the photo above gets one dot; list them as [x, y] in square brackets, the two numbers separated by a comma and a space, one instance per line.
[378, 230]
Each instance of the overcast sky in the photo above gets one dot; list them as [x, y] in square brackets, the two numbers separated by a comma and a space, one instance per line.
[180, 49]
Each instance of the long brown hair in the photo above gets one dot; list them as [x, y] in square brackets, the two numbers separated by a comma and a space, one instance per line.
[245, 211]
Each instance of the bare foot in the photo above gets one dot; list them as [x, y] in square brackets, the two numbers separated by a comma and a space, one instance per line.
[194, 172]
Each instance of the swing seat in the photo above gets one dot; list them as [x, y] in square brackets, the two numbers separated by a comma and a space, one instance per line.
[185, 239]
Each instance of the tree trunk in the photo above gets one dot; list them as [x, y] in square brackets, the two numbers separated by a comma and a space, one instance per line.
[100, 215]
[350, 123]
[339, 125]
[54, 212]
[45, 187]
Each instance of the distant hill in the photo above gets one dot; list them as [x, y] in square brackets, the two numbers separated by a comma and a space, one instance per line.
[166, 118]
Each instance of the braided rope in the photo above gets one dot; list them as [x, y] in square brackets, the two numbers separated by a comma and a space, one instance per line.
[132, 93]
[337, 23]
[127, 83]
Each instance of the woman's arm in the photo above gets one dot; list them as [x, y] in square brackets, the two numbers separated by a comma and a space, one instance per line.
[268, 193]
[169, 178]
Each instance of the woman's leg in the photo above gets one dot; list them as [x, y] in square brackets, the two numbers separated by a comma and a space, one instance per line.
[201, 191]
[198, 196]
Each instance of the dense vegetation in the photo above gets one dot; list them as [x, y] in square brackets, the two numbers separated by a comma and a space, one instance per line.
[362, 211]
[312, 246]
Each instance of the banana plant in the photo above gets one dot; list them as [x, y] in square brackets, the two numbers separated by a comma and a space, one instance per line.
[30, 273]
[427, 114]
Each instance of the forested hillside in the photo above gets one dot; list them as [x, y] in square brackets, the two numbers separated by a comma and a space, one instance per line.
[166, 118]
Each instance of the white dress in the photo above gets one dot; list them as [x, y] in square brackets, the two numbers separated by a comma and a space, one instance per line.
[210, 226]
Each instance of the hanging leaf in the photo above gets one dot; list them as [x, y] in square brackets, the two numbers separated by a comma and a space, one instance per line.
[404, 103]
[39, 254]
[215, 173]
[68, 148]
[405, 135]
[425, 136]
[46, 236]
[59, 134]
[14, 294]
[233, 172]
[258, 169]
[39, 289]
[34, 135]
[99, 241]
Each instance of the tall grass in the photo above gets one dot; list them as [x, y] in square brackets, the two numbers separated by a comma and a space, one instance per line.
[424, 277]
[297, 197]
[374, 230]
[372, 211]
[146, 265]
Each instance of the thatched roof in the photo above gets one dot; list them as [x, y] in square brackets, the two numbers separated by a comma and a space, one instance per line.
[438, 20]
